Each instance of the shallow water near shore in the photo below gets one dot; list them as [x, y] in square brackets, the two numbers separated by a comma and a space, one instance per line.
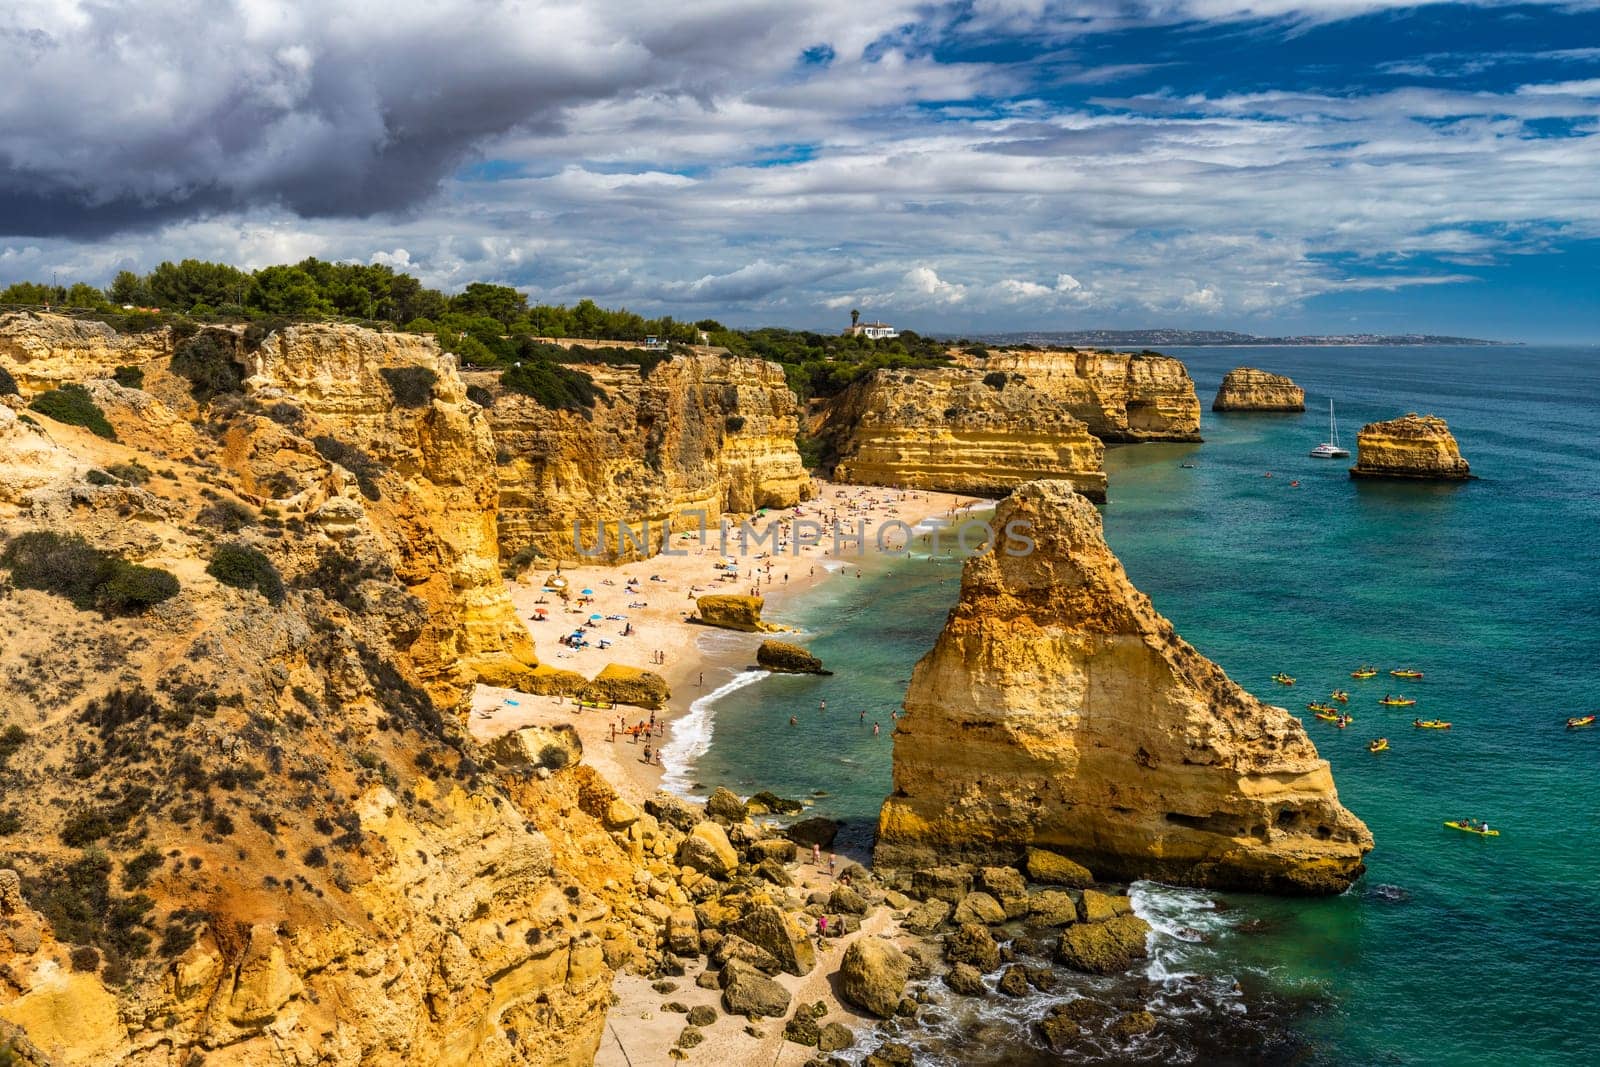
[1453, 949]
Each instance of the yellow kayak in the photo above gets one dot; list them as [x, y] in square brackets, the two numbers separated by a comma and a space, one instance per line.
[1340, 695]
[1380, 745]
[1394, 702]
[1328, 716]
[599, 705]
[1282, 679]
[1364, 672]
[1321, 707]
[1587, 720]
[1431, 724]
[1464, 828]
[1406, 674]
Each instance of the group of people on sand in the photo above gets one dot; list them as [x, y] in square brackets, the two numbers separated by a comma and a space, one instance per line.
[648, 731]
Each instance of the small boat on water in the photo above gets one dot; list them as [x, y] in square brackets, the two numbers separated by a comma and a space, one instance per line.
[1340, 695]
[1331, 449]
[1430, 724]
[1397, 702]
[1329, 716]
[1319, 707]
[1481, 829]
[1282, 679]
[1580, 722]
[1380, 745]
[1364, 672]
[1406, 673]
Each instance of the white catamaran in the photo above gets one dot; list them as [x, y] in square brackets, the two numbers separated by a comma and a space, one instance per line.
[1330, 449]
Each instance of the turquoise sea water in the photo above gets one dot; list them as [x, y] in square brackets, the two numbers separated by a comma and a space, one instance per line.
[1453, 949]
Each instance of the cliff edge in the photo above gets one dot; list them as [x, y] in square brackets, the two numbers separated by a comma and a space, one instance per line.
[1058, 709]
[1419, 447]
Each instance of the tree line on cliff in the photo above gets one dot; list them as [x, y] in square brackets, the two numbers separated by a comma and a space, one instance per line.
[484, 324]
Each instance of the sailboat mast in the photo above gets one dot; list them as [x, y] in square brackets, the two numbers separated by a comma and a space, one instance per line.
[1333, 423]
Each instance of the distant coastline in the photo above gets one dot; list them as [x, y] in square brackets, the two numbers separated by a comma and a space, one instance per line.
[1226, 338]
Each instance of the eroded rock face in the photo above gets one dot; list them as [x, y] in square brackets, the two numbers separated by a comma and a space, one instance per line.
[1413, 446]
[1120, 396]
[43, 351]
[948, 430]
[1248, 389]
[1059, 710]
[441, 454]
[733, 611]
[706, 432]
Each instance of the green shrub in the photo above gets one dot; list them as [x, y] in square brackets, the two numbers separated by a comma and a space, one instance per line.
[77, 901]
[8, 384]
[207, 362]
[555, 387]
[995, 379]
[72, 404]
[244, 567]
[99, 477]
[364, 467]
[229, 516]
[10, 821]
[129, 377]
[85, 826]
[134, 588]
[70, 567]
[85, 959]
[136, 872]
[412, 386]
[12, 738]
[480, 396]
[133, 472]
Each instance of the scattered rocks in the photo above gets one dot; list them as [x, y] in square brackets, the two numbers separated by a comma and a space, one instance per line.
[690, 1037]
[776, 805]
[702, 1015]
[1014, 981]
[873, 975]
[776, 849]
[942, 883]
[802, 1030]
[706, 849]
[1132, 1025]
[770, 929]
[683, 932]
[676, 1007]
[978, 907]
[552, 747]
[1095, 907]
[972, 944]
[845, 899]
[1052, 907]
[965, 979]
[1006, 885]
[674, 811]
[1104, 947]
[1054, 869]
[835, 1036]
[725, 804]
[746, 991]
[926, 917]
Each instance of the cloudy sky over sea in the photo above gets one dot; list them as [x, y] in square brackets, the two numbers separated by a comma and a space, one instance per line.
[1264, 165]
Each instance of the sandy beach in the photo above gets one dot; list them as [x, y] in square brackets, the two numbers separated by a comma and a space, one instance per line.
[635, 614]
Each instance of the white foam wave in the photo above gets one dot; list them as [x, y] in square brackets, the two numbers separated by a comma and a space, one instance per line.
[691, 735]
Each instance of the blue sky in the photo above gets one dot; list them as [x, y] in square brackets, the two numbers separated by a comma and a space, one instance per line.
[1263, 165]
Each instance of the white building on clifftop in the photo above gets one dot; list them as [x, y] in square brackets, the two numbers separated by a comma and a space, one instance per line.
[872, 331]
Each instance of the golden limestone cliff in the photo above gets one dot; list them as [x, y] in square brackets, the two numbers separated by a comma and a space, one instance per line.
[1418, 447]
[42, 350]
[1120, 396]
[239, 819]
[1248, 389]
[705, 432]
[1059, 710]
[399, 403]
[952, 430]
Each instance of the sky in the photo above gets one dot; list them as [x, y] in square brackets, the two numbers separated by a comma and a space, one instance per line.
[1271, 166]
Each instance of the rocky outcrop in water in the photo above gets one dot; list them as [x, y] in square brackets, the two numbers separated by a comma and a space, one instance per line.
[1248, 389]
[707, 432]
[1120, 396]
[953, 430]
[1059, 710]
[732, 611]
[1415, 447]
[785, 658]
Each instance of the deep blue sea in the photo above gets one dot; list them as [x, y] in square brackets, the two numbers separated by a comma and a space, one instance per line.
[1453, 949]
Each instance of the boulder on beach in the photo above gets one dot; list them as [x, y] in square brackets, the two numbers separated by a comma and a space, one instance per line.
[926, 917]
[1096, 907]
[746, 991]
[979, 907]
[733, 612]
[618, 684]
[1052, 868]
[783, 658]
[972, 943]
[1106, 947]
[873, 976]
[707, 850]
[965, 979]
[554, 747]
[1007, 886]
[814, 831]
[770, 928]
[772, 804]
[1052, 907]
[724, 803]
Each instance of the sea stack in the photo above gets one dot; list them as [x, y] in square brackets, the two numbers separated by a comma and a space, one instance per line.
[1418, 447]
[1059, 710]
[1248, 389]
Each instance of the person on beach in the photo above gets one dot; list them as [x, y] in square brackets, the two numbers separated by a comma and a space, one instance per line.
[701, 683]
[613, 738]
[832, 858]
[647, 752]
[822, 926]
[816, 855]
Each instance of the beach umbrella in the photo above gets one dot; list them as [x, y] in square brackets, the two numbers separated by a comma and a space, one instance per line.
[594, 618]
[588, 592]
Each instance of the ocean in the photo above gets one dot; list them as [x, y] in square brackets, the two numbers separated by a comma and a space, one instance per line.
[1453, 949]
